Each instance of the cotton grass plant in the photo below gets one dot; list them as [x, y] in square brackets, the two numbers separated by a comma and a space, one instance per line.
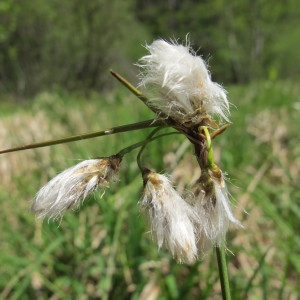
[176, 85]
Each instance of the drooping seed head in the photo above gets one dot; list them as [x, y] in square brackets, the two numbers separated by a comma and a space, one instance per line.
[172, 219]
[211, 200]
[68, 189]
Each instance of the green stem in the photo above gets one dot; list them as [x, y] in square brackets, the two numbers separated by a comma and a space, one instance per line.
[223, 273]
[148, 140]
[143, 144]
[118, 129]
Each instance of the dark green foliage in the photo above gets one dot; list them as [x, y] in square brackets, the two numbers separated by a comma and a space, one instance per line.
[243, 40]
[70, 45]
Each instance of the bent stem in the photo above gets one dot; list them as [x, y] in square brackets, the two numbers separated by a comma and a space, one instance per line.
[149, 139]
[223, 273]
[143, 143]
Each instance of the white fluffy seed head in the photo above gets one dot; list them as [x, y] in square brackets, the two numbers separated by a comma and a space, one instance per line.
[181, 83]
[69, 188]
[172, 219]
[214, 205]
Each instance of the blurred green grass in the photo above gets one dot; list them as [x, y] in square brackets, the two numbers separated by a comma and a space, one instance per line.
[105, 250]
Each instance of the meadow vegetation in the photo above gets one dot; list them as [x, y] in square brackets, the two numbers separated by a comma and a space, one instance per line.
[54, 82]
[104, 250]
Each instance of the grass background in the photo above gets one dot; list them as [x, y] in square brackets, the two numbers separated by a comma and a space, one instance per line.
[104, 251]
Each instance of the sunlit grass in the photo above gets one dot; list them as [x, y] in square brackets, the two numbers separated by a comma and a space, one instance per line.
[104, 250]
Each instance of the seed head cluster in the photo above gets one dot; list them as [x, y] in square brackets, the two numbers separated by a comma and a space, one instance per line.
[186, 228]
[178, 87]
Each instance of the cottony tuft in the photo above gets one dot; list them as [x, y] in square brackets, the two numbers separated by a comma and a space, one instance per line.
[69, 188]
[170, 216]
[181, 83]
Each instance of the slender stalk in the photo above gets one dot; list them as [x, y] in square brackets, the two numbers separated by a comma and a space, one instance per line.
[126, 83]
[118, 129]
[139, 94]
[142, 144]
[149, 138]
[223, 273]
